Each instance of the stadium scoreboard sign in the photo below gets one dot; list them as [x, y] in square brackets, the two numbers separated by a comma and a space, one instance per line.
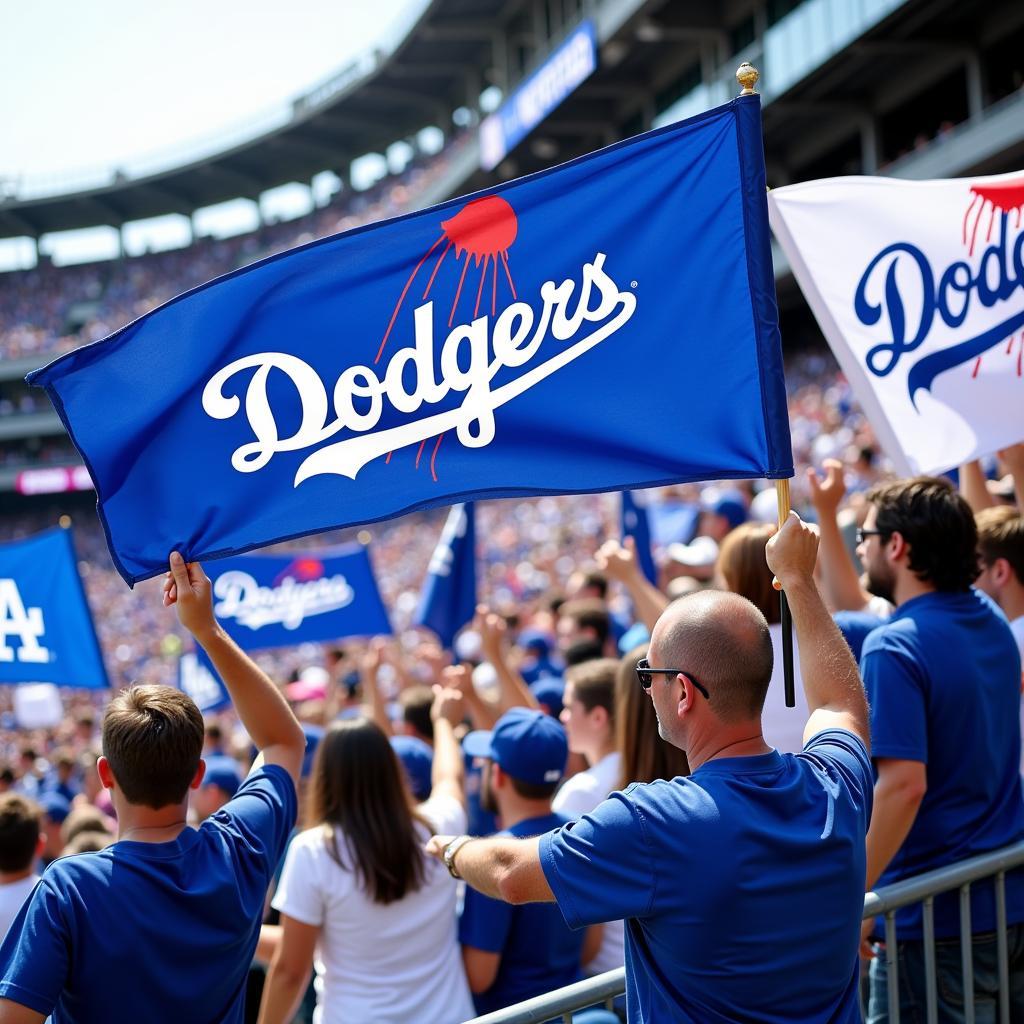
[556, 79]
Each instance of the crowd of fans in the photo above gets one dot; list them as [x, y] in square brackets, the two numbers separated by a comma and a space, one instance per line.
[534, 718]
[47, 311]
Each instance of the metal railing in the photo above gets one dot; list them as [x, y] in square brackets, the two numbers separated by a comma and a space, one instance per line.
[885, 902]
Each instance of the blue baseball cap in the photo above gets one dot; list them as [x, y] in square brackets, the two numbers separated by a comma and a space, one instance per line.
[224, 773]
[529, 745]
[55, 806]
[732, 507]
[549, 691]
[534, 640]
[417, 760]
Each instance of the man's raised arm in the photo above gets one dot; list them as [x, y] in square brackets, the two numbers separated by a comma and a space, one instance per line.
[835, 694]
[260, 705]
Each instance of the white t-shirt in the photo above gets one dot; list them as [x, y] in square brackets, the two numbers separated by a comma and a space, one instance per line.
[389, 964]
[586, 789]
[12, 896]
[784, 727]
[580, 795]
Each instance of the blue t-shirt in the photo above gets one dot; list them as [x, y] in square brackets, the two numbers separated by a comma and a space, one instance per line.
[538, 952]
[742, 886]
[943, 681]
[153, 931]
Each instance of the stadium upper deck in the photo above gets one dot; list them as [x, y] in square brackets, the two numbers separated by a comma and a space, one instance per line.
[851, 86]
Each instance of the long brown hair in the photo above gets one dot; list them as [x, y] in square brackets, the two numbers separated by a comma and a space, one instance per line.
[645, 755]
[743, 566]
[358, 795]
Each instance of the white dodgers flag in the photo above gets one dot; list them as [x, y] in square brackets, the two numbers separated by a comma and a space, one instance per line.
[919, 288]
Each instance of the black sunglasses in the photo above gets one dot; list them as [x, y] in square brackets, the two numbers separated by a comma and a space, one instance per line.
[862, 534]
[646, 674]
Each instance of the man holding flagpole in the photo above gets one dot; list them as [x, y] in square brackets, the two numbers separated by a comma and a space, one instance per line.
[773, 840]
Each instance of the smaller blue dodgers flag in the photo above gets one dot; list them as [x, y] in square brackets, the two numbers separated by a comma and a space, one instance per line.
[448, 600]
[197, 678]
[277, 601]
[635, 525]
[602, 325]
[46, 630]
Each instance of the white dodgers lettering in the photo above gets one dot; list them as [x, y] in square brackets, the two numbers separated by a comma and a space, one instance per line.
[241, 598]
[24, 623]
[471, 356]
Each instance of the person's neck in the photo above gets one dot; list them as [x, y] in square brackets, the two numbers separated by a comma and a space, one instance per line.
[599, 751]
[908, 586]
[515, 809]
[744, 739]
[148, 825]
[9, 877]
[1011, 600]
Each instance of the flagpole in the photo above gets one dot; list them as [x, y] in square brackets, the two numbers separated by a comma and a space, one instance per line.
[747, 76]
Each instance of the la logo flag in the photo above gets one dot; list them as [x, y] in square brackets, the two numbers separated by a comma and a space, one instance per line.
[635, 525]
[46, 629]
[280, 600]
[197, 678]
[448, 598]
[919, 289]
[606, 324]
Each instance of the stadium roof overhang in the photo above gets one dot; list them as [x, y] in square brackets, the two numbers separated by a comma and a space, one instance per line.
[361, 110]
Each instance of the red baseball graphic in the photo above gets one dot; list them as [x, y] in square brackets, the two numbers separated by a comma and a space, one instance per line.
[1004, 198]
[482, 231]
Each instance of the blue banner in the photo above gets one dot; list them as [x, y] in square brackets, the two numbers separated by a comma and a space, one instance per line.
[448, 599]
[46, 630]
[635, 525]
[568, 67]
[536, 339]
[278, 601]
[198, 678]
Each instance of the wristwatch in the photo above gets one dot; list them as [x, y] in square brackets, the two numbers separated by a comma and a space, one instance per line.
[449, 854]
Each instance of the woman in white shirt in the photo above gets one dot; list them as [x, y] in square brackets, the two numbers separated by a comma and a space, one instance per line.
[358, 897]
[743, 569]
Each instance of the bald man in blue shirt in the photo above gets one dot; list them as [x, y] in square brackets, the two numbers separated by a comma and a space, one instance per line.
[741, 885]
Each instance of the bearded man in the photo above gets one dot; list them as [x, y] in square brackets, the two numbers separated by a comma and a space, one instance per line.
[943, 680]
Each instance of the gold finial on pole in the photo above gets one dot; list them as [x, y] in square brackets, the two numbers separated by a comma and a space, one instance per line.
[747, 75]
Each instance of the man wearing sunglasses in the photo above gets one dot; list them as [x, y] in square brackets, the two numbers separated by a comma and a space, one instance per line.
[943, 679]
[741, 885]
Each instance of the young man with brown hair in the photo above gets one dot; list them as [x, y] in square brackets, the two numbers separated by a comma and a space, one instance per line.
[171, 911]
[21, 843]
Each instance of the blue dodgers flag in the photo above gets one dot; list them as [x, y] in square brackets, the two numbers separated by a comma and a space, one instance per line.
[198, 678]
[606, 324]
[448, 600]
[277, 601]
[46, 630]
[635, 525]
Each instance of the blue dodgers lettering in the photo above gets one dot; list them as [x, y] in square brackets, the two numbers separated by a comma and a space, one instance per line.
[1000, 273]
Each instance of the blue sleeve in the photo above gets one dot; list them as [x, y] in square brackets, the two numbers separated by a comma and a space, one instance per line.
[259, 817]
[600, 868]
[898, 701]
[485, 922]
[845, 754]
[34, 954]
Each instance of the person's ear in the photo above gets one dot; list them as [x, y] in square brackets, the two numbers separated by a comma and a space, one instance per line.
[897, 547]
[105, 773]
[40, 844]
[197, 779]
[1001, 572]
[687, 696]
[498, 777]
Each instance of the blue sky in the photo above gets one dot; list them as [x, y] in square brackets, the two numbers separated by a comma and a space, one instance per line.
[88, 87]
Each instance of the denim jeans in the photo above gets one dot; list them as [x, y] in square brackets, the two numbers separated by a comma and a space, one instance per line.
[949, 981]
